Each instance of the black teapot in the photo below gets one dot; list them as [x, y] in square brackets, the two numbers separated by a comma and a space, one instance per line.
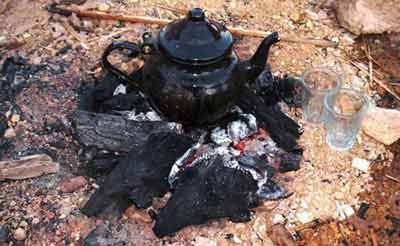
[191, 73]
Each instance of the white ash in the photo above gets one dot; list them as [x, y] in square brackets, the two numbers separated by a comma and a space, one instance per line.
[221, 145]
[236, 130]
[148, 116]
[242, 128]
[121, 89]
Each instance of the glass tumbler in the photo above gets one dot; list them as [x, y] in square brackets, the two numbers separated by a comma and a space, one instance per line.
[316, 83]
[344, 112]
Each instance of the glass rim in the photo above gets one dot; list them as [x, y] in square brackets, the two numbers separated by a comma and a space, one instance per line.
[324, 69]
[348, 115]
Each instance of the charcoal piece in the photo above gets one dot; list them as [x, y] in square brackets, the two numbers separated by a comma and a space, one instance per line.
[206, 191]
[102, 164]
[258, 164]
[91, 98]
[274, 90]
[270, 190]
[363, 210]
[116, 133]
[17, 72]
[282, 129]
[289, 91]
[289, 162]
[99, 236]
[266, 86]
[123, 102]
[141, 176]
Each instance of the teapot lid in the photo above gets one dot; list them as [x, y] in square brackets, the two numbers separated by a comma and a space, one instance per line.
[195, 40]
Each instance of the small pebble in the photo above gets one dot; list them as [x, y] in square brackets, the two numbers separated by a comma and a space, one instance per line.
[23, 224]
[35, 221]
[15, 118]
[20, 234]
[360, 164]
[73, 184]
[278, 219]
[304, 217]
[3, 234]
[10, 133]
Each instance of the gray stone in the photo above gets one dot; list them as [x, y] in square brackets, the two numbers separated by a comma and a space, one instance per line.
[368, 16]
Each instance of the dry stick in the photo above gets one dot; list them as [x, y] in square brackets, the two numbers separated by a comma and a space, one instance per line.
[392, 178]
[378, 81]
[162, 22]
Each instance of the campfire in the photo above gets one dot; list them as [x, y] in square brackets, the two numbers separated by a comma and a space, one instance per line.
[213, 171]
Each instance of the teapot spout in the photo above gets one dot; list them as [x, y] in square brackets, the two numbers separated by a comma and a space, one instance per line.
[259, 59]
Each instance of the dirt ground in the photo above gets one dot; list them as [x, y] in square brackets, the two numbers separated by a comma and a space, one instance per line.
[66, 52]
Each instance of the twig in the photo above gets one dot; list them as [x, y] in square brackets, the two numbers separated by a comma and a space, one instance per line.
[392, 178]
[149, 20]
[378, 81]
[5, 6]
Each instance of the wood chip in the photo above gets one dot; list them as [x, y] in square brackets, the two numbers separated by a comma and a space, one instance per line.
[27, 167]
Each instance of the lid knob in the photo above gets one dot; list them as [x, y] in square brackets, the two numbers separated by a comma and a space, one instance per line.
[197, 14]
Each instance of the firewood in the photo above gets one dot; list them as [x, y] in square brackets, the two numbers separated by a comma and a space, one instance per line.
[27, 167]
[149, 20]
[114, 132]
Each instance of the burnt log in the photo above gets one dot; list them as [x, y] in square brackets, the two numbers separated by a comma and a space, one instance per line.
[206, 191]
[139, 177]
[282, 129]
[116, 133]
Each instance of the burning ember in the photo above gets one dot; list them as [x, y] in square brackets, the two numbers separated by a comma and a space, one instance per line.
[216, 171]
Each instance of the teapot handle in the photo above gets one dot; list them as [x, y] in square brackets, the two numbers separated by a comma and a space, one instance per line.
[123, 76]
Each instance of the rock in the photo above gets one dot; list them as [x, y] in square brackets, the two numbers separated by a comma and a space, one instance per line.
[304, 217]
[35, 221]
[344, 211]
[368, 16]
[360, 164]
[73, 184]
[10, 133]
[101, 235]
[278, 219]
[20, 234]
[382, 124]
[3, 234]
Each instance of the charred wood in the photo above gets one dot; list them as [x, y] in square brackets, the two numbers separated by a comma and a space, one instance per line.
[116, 133]
[282, 129]
[207, 191]
[141, 176]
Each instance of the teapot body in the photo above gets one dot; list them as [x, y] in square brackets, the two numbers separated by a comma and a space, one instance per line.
[193, 95]
[191, 73]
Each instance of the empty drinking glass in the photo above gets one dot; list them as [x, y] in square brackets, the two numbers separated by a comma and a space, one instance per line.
[316, 83]
[344, 112]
